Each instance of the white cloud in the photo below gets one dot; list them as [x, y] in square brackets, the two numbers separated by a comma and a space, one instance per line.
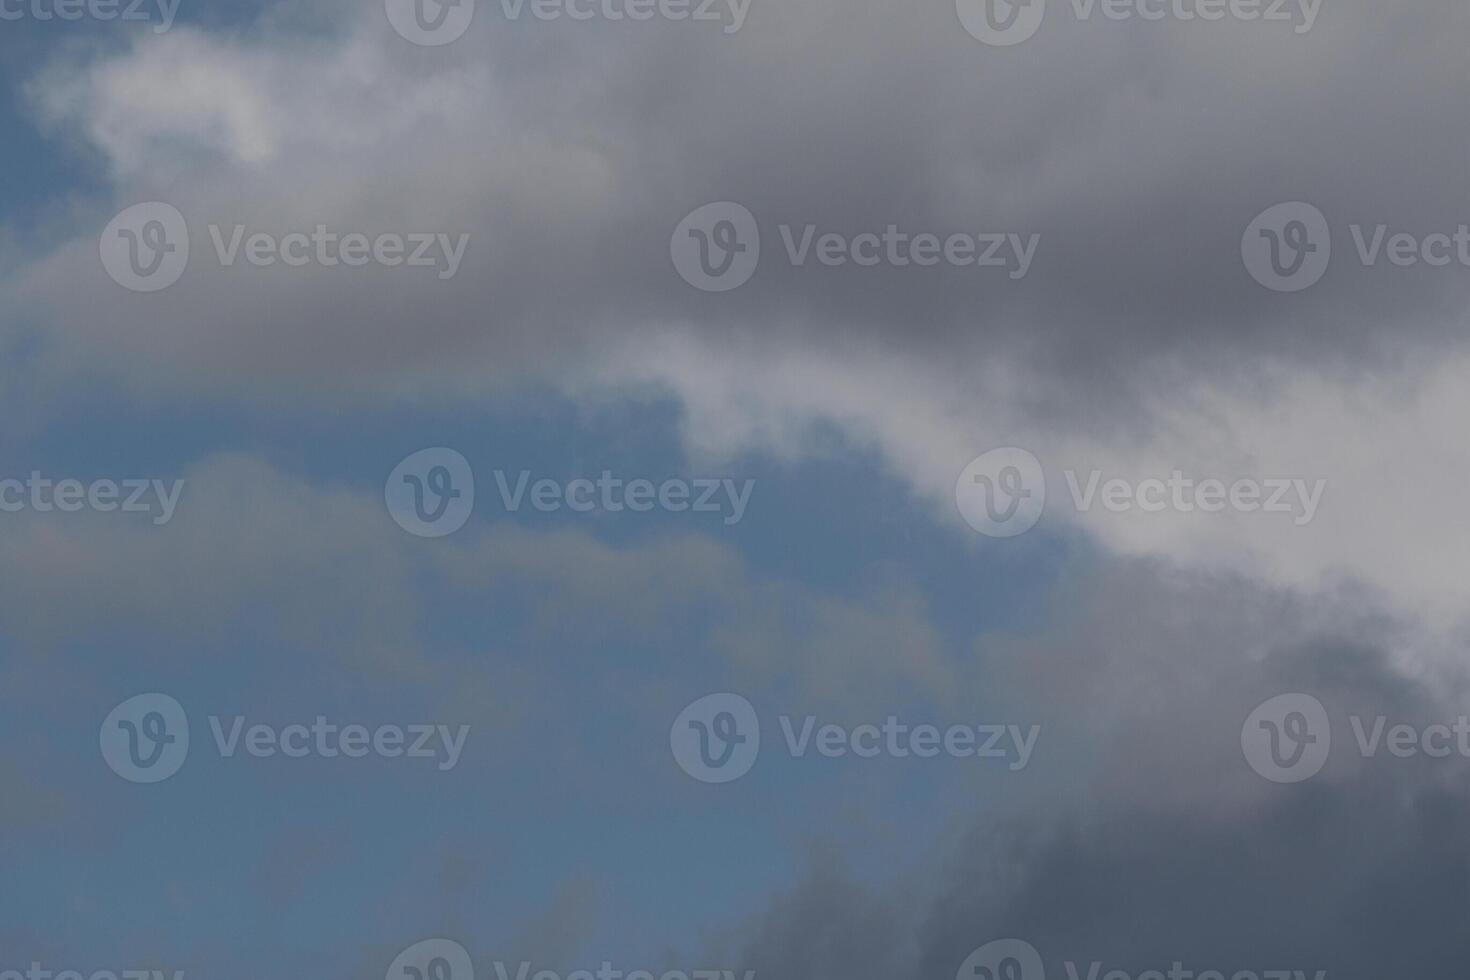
[1389, 447]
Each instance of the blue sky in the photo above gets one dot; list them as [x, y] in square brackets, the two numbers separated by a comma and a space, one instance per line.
[308, 853]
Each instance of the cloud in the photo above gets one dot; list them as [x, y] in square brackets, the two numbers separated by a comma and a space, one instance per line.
[569, 168]
[273, 559]
[1139, 344]
[1381, 444]
[1157, 844]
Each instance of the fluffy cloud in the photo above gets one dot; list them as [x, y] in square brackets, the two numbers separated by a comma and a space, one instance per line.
[1138, 344]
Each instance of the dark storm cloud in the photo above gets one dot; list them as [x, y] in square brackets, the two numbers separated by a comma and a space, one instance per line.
[1172, 850]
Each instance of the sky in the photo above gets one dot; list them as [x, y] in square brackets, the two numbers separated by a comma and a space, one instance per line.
[801, 490]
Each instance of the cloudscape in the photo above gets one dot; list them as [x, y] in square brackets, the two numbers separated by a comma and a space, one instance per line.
[734, 490]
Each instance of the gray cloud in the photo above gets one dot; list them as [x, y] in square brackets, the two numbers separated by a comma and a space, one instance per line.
[1169, 849]
[1138, 151]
